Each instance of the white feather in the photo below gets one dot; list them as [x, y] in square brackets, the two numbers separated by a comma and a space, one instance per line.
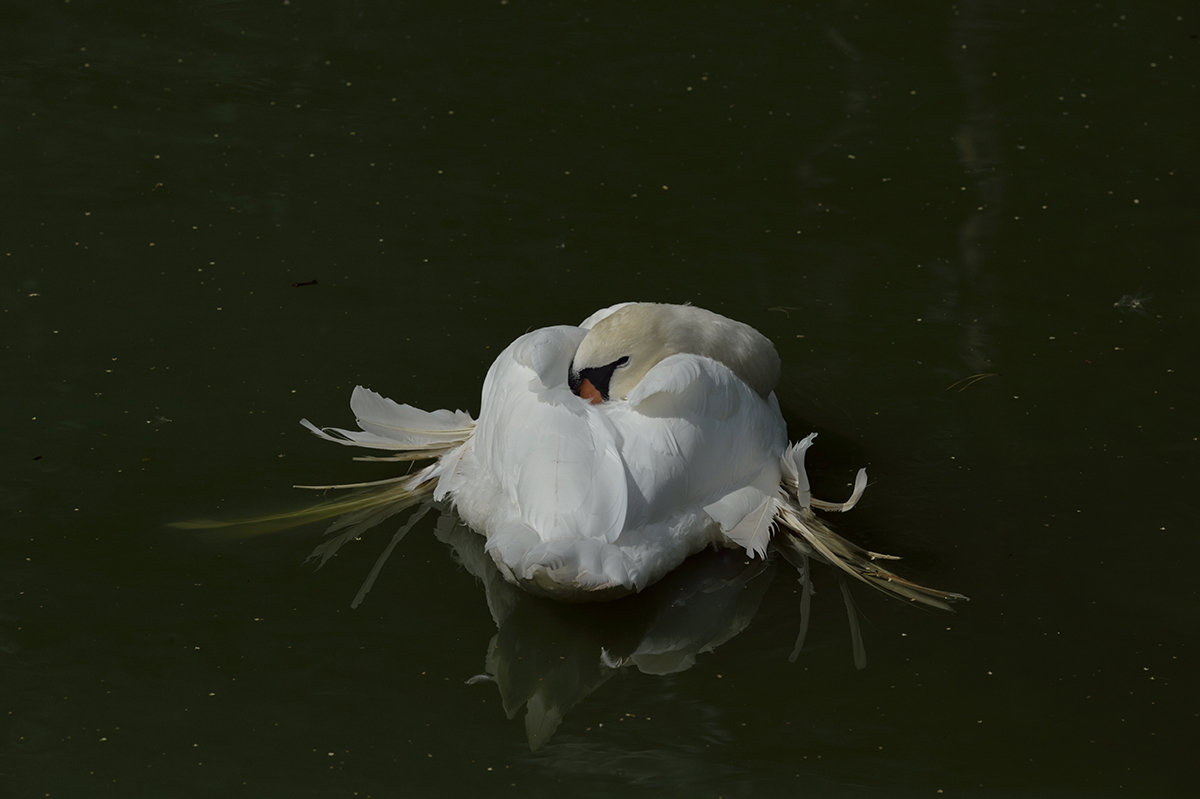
[580, 498]
[389, 425]
[583, 501]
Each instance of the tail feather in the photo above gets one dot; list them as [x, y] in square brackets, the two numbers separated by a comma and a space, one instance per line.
[801, 533]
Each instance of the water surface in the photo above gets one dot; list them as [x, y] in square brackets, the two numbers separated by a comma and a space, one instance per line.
[971, 230]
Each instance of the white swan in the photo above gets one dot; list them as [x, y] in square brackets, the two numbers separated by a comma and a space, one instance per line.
[607, 453]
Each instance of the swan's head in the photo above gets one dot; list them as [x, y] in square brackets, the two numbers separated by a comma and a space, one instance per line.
[622, 347]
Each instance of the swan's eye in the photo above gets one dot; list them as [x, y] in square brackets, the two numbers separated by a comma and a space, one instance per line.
[622, 361]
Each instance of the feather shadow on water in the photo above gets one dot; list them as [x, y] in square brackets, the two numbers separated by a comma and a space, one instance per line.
[546, 657]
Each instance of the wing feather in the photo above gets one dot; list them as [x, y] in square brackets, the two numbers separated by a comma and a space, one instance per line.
[696, 436]
[555, 467]
[389, 425]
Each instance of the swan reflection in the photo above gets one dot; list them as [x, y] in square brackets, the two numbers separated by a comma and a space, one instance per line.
[548, 656]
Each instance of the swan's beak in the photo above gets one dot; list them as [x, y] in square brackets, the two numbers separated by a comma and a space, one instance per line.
[592, 383]
[589, 392]
[582, 386]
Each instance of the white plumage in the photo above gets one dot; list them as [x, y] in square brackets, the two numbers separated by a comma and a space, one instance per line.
[605, 454]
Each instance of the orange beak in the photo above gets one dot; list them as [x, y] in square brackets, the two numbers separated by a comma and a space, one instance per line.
[589, 392]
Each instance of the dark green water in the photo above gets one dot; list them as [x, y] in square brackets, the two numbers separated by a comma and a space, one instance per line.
[901, 199]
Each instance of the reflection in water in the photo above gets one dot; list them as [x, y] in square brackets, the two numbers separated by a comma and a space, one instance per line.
[547, 656]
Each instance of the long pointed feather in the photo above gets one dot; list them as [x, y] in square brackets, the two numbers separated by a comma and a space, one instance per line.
[856, 561]
[397, 493]
[799, 532]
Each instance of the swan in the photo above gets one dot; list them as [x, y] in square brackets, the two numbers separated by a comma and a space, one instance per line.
[608, 452]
